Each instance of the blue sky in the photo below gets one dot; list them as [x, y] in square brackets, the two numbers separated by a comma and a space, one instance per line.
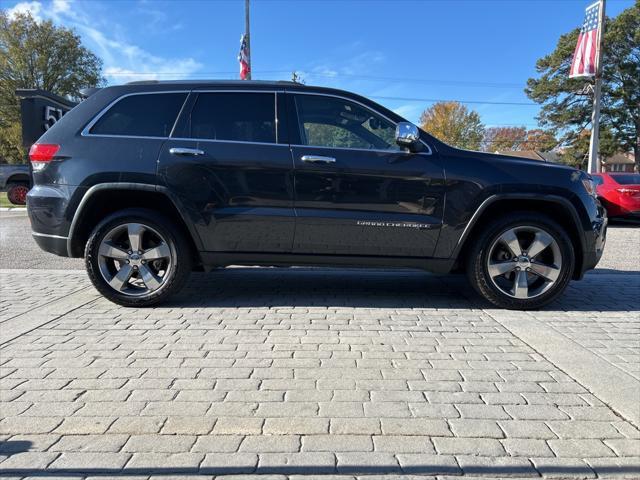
[393, 51]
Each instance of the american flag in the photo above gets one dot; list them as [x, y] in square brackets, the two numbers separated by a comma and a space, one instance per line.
[243, 58]
[584, 57]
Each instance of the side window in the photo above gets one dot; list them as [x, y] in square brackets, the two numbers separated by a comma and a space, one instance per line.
[237, 116]
[334, 122]
[145, 115]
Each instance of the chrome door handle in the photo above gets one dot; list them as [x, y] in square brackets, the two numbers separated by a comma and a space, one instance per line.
[186, 151]
[317, 159]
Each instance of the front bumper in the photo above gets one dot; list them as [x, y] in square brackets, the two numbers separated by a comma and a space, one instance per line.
[595, 241]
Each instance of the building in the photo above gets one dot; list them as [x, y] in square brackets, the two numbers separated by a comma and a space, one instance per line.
[620, 162]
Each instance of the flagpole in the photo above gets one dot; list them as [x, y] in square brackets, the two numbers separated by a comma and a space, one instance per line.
[247, 36]
[594, 143]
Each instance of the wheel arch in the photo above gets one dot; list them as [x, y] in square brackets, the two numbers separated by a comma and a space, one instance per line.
[19, 178]
[99, 201]
[562, 212]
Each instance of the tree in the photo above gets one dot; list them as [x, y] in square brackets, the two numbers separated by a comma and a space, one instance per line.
[568, 113]
[454, 124]
[540, 140]
[38, 55]
[504, 138]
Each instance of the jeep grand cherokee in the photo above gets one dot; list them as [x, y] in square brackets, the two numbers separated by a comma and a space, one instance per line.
[151, 180]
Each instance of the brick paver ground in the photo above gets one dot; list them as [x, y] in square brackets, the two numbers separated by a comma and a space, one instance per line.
[303, 371]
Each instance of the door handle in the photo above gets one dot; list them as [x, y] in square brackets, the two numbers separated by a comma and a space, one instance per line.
[317, 159]
[194, 152]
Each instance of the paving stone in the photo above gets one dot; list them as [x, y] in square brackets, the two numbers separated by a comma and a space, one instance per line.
[217, 443]
[403, 444]
[614, 467]
[624, 447]
[527, 447]
[580, 448]
[136, 425]
[19, 425]
[500, 467]
[355, 426]
[28, 460]
[583, 429]
[337, 443]
[468, 446]
[270, 444]
[90, 460]
[90, 443]
[526, 429]
[159, 462]
[297, 463]
[159, 443]
[296, 426]
[563, 468]
[476, 428]
[426, 464]
[367, 463]
[238, 425]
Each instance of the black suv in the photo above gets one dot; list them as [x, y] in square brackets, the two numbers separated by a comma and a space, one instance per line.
[151, 180]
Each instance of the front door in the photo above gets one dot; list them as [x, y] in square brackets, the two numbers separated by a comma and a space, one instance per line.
[232, 171]
[357, 192]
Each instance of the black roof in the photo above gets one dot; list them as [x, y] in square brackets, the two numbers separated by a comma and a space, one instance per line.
[261, 83]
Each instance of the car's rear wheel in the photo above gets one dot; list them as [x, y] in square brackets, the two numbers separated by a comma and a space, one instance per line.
[17, 193]
[137, 258]
[522, 261]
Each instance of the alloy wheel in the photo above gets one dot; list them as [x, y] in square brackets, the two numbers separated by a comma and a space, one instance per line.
[524, 262]
[134, 259]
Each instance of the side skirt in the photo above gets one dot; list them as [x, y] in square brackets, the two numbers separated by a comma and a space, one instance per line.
[222, 259]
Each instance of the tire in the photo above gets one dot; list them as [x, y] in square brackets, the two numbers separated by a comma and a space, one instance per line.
[522, 288]
[160, 270]
[17, 193]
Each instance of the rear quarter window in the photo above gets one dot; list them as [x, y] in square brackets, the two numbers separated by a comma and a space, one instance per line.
[143, 115]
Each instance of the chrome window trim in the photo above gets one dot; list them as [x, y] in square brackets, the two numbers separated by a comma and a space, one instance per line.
[86, 130]
[212, 140]
[395, 124]
[237, 90]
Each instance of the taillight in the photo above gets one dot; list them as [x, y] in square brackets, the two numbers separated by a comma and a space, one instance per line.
[42, 153]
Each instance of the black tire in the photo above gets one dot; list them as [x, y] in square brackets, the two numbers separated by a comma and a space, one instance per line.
[180, 256]
[477, 260]
[16, 193]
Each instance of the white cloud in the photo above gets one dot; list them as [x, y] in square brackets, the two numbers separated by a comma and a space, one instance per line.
[60, 6]
[34, 8]
[123, 61]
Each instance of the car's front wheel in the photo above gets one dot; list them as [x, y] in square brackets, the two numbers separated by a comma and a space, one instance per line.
[137, 258]
[521, 261]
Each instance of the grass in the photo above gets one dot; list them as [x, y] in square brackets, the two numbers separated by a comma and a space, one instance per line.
[4, 201]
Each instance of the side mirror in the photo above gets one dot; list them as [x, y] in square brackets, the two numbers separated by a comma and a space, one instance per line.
[408, 136]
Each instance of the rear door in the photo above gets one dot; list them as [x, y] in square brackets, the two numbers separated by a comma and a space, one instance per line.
[357, 192]
[229, 163]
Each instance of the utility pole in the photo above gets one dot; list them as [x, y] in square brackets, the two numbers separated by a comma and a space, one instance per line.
[594, 144]
[247, 35]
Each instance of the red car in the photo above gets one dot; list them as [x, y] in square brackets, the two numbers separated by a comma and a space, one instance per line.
[619, 193]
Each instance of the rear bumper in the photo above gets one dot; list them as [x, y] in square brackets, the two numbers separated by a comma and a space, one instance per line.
[51, 243]
[48, 209]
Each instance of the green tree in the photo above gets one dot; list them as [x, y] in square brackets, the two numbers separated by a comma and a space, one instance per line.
[568, 114]
[454, 124]
[38, 55]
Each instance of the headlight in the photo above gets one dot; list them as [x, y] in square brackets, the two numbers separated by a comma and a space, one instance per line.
[589, 186]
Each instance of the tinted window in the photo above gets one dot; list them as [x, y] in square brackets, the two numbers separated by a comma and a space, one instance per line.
[150, 115]
[334, 122]
[244, 117]
[598, 180]
[631, 179]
